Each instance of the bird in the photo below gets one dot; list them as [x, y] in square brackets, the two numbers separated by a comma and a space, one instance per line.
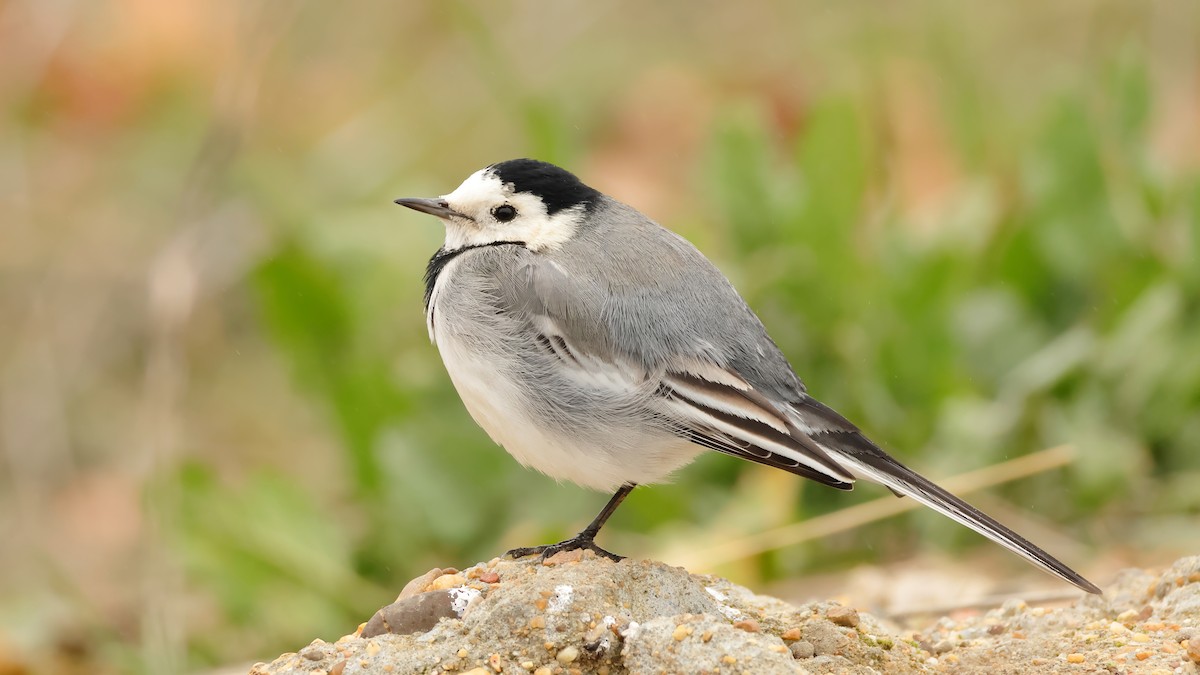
[600, 348]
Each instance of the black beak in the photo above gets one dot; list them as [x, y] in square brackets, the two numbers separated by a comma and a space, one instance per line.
[434, 207]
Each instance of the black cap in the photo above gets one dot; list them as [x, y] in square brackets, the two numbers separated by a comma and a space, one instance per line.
[557, 188]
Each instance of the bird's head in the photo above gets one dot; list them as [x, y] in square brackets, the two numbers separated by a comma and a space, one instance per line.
[520, 200]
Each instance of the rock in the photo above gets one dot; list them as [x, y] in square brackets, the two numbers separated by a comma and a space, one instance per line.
[653, 649]
[590, 615]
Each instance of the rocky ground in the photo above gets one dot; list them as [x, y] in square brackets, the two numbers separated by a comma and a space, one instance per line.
[580, 614]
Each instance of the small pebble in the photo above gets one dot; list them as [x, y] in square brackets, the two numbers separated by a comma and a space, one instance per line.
[567, 655]
[1192, 649]
[1142, 656]
[463, 653]
[563, 557]
[748, 625]
[313, 653]
[729, 658]
[843, 616]
[706, 636]
[489, 577]
[478, 671]
[338, 668]
[373, 648]
[1075, 658]
[782, 649]
[1140, 637]
[803, 649]
[543, 671]
[420, 584]
[414, 614]
[537, 622]
[791, 634]
[448, 581]
[1128, 616]
[527, 665]
[942, 646]
[681, 632]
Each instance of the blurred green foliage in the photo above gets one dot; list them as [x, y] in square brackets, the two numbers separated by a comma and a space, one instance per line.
[974, 230]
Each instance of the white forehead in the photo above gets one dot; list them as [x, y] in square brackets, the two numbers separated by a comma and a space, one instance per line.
[481, 188]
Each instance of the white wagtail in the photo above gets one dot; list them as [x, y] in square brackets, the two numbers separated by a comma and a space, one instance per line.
[596, 346]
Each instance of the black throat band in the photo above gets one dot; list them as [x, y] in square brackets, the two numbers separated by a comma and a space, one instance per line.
[443, 257]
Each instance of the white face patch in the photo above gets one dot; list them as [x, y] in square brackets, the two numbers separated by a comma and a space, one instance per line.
[479, 196]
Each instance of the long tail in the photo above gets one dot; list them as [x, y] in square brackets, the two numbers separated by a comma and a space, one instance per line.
[857, 453]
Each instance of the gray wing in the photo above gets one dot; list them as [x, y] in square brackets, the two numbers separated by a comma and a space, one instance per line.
[710, 369]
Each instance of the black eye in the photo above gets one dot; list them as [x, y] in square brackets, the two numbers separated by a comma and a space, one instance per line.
[504, 213]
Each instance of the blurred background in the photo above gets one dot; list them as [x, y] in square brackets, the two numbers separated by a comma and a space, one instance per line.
[974, 228]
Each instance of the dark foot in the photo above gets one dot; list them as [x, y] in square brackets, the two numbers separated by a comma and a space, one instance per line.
[580, 541]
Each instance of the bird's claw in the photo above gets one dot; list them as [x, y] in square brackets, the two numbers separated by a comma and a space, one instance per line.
[545, 551]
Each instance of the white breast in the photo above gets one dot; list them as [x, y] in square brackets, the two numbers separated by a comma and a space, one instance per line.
[603, 455]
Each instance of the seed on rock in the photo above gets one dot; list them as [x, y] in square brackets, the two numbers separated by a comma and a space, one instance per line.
[843, 616]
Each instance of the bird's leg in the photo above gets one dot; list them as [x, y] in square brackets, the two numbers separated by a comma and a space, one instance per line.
[585, 539]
